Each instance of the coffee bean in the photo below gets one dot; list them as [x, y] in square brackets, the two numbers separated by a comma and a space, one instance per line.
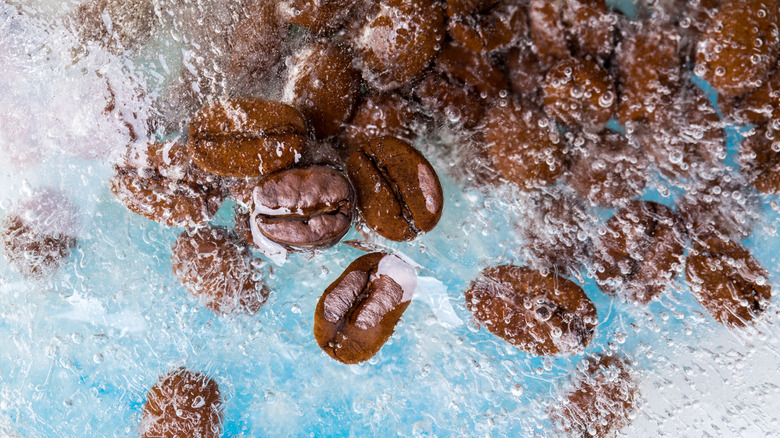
[359, 311]
[39, 233]
[547, 31]
[448, 102]
[601, 399]
[589, 27]
[525, 73]
[580, 92]
[461, 8]
[246, 137]
[306, 207]
[637, 256]
[399, 194]
[381, 114]
[540, 314]
[496, 29]
[320, 17]
[474, 69]
[727, 280]
[183, 404]
[719, 202]
[760, 106]
[216, 267]
[118, 25]
[256, 40]
[760, 160]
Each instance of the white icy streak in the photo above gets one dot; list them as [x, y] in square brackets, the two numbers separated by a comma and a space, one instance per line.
[275, 252]
[434, 293]
[91, 311]
[401, 272]
[50, 212]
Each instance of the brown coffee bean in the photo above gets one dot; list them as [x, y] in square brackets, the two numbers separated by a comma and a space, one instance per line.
[525, 73]
[398, 192]
[257, 39]
[579, 92]
[543, 315]
[719, 203]
[246, 137]
[649, 69]
[600, 402]
[523, 145]
[760, 106]
[116, 24]
[607, 171]
[323, 84]
[547, 31]
[449, 102]
[359, 311]
[319, 17]
[216, 267]
[399, 39]
[727, 281]
[760, 159]
[473, 69]
[589, 27]
[183, 404]
[39, 233]
[381, 114]
[306, 207]
[496, 29]
[462, 8]
[636, 258]
[740, 46]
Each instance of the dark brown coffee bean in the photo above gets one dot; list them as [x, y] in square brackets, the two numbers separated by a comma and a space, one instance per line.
[473, 69]
[760, 159]
[399, 194]
[523, 145]
[38, 234]
[638, 256]
[449, 102]
[589, 27]
[323, 84]
[740, 46]
[306, 207]
[246, 137]
[719, 203]
[216, 267]
[319, 17]
[728, 281]
[462, 8]
[359, 311]
[183, 404]
[256, 40]
[525, 73]
[399, 39]
[600, 401]
[579, 92]
[116, 24]
[541, 315]
[760, 106]
[547, 31]
[381, 114]
[496, 29]
[607, 171]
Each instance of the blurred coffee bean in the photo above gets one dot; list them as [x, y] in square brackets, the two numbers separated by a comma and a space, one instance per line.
[543, 315]
[381, 114]
[760, 106]
[759, 159]
[473, 69]
[590, 27]
[118, 25]
[359, 311]
[320, 17]
[448, 102]
[579, 92]
[718, 202]
[525, 73]
[246, 137]
[547, 30]
[257, 40]
[462, 8]
[496, 29]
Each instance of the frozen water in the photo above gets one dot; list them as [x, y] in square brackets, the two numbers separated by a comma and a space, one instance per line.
[81, 350]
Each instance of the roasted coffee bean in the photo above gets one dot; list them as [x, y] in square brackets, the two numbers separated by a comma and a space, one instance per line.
[718, 202]
[323, 84]
[600, 402]
[547, 31]
[727, 281]
[607, 170]
[541, 314]
[216, 267]
[740, 46]
[523, 145]
[381, 114]
[498, 28]
[579, 92]
[760, 106]
[760, 159]
[398, 40]
[525, 73]
[638, 256]
[183, 404]
[462, 8]
[589, 27]
[319, 17]
[473, 69]
[449, 102]
[256, 40]
[399, 194]
[246, 137]
[359, 311]
[118, 25]
[306, 207]
[39, 233]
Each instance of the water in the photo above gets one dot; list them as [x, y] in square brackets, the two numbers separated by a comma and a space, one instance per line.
[80, 351]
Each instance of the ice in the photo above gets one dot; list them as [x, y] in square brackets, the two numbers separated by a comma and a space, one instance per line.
[80, 350]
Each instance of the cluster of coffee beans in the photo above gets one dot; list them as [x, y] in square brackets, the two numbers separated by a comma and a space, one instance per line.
[529, 88]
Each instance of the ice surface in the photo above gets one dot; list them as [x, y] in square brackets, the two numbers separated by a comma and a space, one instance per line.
[81, 350]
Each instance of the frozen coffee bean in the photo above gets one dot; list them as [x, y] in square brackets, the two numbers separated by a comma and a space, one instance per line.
[307, 207]
[543, 315]
[601, 400]
[590, 27]
[323, 84]
[496, 29]
[39, 233]
[182, 403]
[462, 8]
[118, 25]
[472, 69]
[740, 46]
[579, 92]
[319, 17]
[607, 170]
[525, 73]
[759, 159]
[359, 311]
[523, 145]
[398, 40]
[727, 281]
[256, 40]
[638, 256]
[760, 106]
[215, 266]
[718, 202]
[449, 102]
[246, 137]
[398, 191]
[381, 114]
[547, 30]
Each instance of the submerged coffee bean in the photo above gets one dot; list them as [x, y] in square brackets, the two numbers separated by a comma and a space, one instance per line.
[399, 194]
[358, 312]
[247, 137]
[305, 207]
[540, 314]
[728, 281]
